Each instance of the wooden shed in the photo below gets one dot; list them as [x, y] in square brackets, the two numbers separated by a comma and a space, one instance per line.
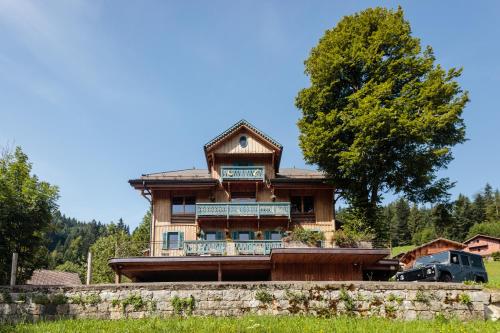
[438, 245]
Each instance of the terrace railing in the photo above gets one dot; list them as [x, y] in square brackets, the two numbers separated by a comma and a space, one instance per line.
[242, 173]
[233, 209]
[203, 247]
[253, 247]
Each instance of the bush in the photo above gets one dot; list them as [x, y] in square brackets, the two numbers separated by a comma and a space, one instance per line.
[263, 296]
[306, 236]
[496, 256]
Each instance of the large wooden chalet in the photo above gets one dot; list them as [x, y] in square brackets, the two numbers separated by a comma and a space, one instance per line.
[226, 222]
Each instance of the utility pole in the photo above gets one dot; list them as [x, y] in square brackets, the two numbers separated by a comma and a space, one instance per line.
[89, 268]
[13, 270]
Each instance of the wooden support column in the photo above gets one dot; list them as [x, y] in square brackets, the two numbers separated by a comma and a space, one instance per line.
[89, 268]
[219, 273]
[13, 269]
[118, 277]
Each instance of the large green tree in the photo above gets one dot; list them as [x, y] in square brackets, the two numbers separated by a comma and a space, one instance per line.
[26, 208]
[380, 115]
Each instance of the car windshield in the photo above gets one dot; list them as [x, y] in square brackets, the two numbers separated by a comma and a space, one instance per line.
[438, 258]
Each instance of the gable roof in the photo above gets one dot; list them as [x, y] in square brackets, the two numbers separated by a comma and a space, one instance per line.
[481, 235]
[459, 245]
[45, 277]
[236, 127]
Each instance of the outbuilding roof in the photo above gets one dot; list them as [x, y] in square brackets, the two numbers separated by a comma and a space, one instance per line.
[45, 277]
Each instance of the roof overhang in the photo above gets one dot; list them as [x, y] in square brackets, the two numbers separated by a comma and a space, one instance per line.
[141, 184]
[328, 256]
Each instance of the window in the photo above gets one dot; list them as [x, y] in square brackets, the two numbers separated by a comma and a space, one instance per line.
[183, 205]
[243, 141]
[213, 235]
[243, 235]
[243, 197]
[302, 204]
[465, 260]
[476, 261]
[173, 240]
[272, 235]
[454, 259]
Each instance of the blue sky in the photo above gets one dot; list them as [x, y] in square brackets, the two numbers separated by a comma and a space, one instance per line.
[98, 92]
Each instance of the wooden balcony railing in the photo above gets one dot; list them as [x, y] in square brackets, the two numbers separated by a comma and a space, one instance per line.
[262, 247]
[242, 173]
[203, 247]
[251, 247]
[233, 209]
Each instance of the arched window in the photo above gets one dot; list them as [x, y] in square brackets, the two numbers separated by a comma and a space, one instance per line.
[243, 141]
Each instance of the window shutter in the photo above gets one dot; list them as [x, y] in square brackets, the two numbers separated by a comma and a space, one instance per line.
[181, 240]
[165, 240]
[202, 235]
[252, 235]
[218, 235]
[234, 235]
[267, 235]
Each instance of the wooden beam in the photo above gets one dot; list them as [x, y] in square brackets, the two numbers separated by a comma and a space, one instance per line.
[219, 273]
[13, 269]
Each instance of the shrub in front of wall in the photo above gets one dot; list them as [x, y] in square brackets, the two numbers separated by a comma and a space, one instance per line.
[263, 297]
[41, 299]
[183, 306]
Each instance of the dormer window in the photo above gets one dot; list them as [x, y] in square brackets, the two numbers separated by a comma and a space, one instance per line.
[243, 141]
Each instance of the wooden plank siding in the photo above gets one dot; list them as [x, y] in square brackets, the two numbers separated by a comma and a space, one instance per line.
[316, 272]
[232, 145]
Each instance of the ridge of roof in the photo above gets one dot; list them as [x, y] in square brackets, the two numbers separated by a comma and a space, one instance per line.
[433, 241]
[237, 125]
[481, 235]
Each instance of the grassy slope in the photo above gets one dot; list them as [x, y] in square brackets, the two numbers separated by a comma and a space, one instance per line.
[256, 324]
[400, 249]
[493, 269]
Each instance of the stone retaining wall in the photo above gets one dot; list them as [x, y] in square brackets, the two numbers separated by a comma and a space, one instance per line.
[388, 299]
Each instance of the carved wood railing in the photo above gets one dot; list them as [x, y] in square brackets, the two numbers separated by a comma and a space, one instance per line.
[231, 209]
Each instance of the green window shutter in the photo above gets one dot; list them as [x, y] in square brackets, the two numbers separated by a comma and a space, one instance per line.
[165, 240]
[181, 240]
[267, 235]
[219, 235]
[202, 234]
[252, 235]
[234, 235]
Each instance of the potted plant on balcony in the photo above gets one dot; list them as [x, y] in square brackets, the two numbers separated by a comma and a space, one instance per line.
[301, 237]
[258, 234]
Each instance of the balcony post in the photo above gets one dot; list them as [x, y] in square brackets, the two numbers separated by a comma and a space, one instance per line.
[219, 273]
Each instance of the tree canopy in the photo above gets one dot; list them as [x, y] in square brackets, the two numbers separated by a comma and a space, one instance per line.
[380, 115]
[26, 208]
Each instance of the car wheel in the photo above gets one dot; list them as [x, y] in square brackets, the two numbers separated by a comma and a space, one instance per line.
[445, 277]
[479, 279]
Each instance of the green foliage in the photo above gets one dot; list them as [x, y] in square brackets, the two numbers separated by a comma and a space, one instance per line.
[310, 237]
[496, 256]
[41, 299]
[84, 300]
[422, 297]
[183, 306]
[72, 267]
[263, 297]
[394, 298]
[465, 299]
[486, 228]
[5, 297]
[347, 299]
[58, 299]
[26, 207]
[379, 114]
[135, 301]
[247, 324]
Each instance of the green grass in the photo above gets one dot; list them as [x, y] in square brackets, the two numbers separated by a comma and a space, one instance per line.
[493, 269]
[400, 249]
[256, 324]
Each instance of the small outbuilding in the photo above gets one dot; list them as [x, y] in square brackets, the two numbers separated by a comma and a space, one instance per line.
[45, 277]
[438, 245]
[483, 245]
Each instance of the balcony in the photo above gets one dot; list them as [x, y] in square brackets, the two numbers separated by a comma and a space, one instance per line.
[228, 173]
[248, 209]
[253, 247]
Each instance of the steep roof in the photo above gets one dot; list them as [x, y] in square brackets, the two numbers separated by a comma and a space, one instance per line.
[459, 245]
[481, 235]
[235, 128]
[44, 277]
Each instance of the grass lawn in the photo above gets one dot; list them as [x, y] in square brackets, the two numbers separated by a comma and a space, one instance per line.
[400, 249]
[256, 324]
[493, 269]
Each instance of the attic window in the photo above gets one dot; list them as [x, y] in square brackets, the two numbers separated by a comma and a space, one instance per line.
[243, 141]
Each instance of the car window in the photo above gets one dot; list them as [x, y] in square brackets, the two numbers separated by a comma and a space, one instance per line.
[438, 258]
[465, 260]
[476, 261]
[454, 259]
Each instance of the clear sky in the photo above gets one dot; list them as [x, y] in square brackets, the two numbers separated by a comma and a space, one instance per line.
[98, 92]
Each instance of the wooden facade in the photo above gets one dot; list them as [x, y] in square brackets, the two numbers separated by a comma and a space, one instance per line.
[241, 204]
[435, 246]
[483, 245]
